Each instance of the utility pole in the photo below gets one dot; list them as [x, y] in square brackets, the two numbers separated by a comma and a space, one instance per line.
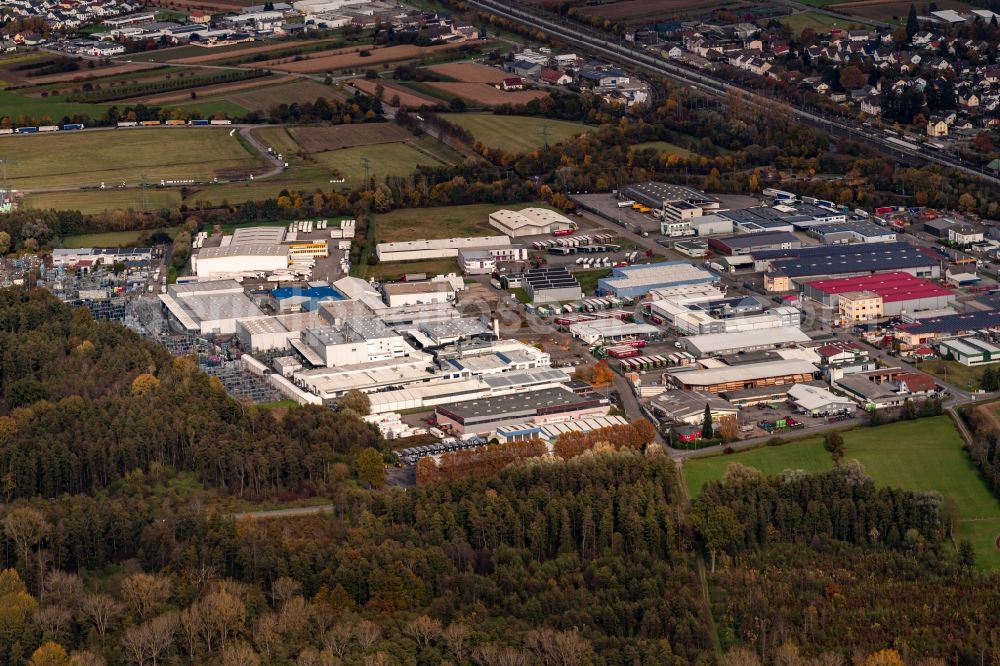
[145, 201]
[6, 190]
[545, 136]
[366, 164]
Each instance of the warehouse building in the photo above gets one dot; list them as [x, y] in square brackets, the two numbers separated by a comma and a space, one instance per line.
[818, 401]
[899, 292]
[211, 262]
[272, 333]
[552, 405]
[417, 250]
[970, 351]
[657, 195]
[689, 407]
[807, 263]
[298, 299]
[258, 236]
[700, 315]
[755, 242]
[719, 344]
[550, 432]
[711, 225]
[530, 222]
[853, 231]
[948, 326]
[553, 284]
[399, 294]
[749, 375]
[635, 281]
[352, 341]
[209, 308]
[602, 331]
[939, 227]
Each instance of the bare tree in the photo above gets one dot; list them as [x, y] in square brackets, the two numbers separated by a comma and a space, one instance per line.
[239, 653]
[492, 654]
[145, 593]
[739, 656]
[190, 625]
[338, 639]
[310, 657]
[65, 588]
[827, 659]
[222, 613]
[367, 634]
[266, 634]
[26, 527]
[377, 659]
[456, 635]
[295, 618]
[102, 610]
[423, 630]
[560, 648]
[150, 642]
[86, 658]
[284, 589]
[54, 621]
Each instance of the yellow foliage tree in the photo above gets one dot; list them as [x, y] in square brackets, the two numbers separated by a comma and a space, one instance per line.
[144, 383]
[49, 654]
[884, 658]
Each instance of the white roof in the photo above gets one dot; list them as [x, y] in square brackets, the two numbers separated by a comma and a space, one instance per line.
[243, 251]
[718, 342]
[258, 236]
[530, 217]
[812, 397]
[443, 244]
[747, 372]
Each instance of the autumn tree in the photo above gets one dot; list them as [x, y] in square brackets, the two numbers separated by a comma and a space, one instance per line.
[370, 468]
[145, 593]
[26, 527]
[49, 654]
[716, 525]
[357, 401]
[101, 610]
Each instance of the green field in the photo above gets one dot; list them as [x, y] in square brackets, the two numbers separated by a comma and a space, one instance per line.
[277, 138]
[954, 373]
[396, 270]
[588, 279]
[517, 134]
[663, 147]
[301, 175]
[99, 201]
[821, 23]
[89, 158]
[442, 222]
[14, 105]
[913, 455]
[385, 159]
[110, 239]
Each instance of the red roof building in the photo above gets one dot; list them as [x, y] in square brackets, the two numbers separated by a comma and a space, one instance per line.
[916, 383]
[900, 292]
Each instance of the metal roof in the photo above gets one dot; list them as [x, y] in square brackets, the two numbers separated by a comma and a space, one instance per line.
[892, 287]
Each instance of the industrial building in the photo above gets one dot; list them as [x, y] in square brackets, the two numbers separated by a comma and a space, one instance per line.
[209, 308]
[689, 407]
[553, 284]
[530, 222]
[818, 401]
[550, 432]
[272, 333]
[399, 294]
[656, 195]
[297, 299]
[711, 225]
[352, 341]
[803, 264]
[417, 250]
[898, 292]
[701, 314]
[101, 255]
[749, 375]
[755, 242]
[852, 231]
[948, 326]
[258, 236]
[970, 351]
[638, 280]
[939, 227]
[551, 405]
[230, 259]
[719, 344]
[601, 331]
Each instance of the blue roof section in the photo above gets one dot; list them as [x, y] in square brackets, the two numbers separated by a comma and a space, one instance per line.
[314, 295]
[957, 323]
[842, 259]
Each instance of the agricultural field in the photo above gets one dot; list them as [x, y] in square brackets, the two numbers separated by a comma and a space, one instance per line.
[515, 133]
[14, 105]
[887, 10]
[223, 52]
[100, 201]
[384, 159]
[396, 270]
[114, 155]
[468, 72]
[925, 454]
[302, 175]
[954, 373]
[485, 95]
[441, 222]
[662, 147]
[351, 58]
[821, 23]
[111, 238]
[408, 97]
[321, 139]
[645, 11]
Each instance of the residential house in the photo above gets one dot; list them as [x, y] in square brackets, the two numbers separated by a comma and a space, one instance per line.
[554, 77]
[936, 126]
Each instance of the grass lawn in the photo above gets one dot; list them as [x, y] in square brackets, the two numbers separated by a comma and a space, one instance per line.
[397, 269]
[913, 455]
[15, 105]
[99, 201]
[385, 159]
[88, 158]
[110, 239]
[821, 23]
[301, 175]
[808, 454]
[518, 134]
[663, 147]
[442, 222]
[278, 138]
[953, 372]
[588, 279]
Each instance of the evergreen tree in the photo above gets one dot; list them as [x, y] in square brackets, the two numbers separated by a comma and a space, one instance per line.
[912, 25]
[966, 554]
[706, 426]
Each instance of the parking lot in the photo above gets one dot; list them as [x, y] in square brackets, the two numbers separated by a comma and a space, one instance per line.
[411, 455]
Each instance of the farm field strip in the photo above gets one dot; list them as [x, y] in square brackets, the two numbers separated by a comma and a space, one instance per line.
[515, 133]
[407, 96]
[468, 72]
[99, 201]
[485, 94]
[211, 90]
[351, 57]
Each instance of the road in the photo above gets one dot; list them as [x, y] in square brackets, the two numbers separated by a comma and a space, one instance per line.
[627, 55]
[285, 513]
